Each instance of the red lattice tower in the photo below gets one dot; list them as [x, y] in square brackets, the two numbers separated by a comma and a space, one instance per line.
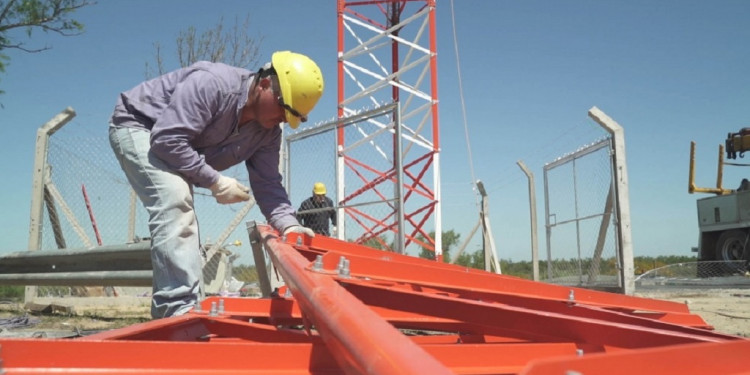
[387, 54]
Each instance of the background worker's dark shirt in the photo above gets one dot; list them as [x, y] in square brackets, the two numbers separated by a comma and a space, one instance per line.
[318, 219]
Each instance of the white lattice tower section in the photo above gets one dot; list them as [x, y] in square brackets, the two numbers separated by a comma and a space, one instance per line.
[386, 53]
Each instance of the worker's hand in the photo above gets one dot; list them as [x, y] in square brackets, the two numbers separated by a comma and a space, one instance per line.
[228, 190]
[299, 229]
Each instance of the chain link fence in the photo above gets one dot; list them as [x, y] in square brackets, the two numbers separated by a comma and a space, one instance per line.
[703, 274]
[580, 224]
[88, 203]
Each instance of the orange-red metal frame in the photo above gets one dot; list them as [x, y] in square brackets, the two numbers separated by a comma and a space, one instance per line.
[351, 309]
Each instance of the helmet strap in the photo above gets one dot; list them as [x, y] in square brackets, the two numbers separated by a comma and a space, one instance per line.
[266, 70]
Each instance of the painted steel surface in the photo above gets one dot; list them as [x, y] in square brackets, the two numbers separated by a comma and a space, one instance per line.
[393, 314]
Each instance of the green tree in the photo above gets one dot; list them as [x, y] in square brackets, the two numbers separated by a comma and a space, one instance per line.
[246, 273]
[380, 243]
[472, 260]
[450, 239]
[231, 45]
[29, 15]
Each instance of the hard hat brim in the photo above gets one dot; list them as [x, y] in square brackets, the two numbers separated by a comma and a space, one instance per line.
[291, 119]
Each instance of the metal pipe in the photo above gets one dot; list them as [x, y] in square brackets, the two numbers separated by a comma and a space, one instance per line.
[719, 190]
[358, 338]
[119, 278]
[398, 167]
[91, 215]
[127, 257]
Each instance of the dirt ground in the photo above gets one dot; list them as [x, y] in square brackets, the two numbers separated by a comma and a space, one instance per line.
[727, 310]
[77, 316]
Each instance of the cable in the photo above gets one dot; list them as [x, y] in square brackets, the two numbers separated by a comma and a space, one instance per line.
[463, 105]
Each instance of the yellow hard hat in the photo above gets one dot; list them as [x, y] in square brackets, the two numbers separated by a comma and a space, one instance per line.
[319, 188]
[301, 84]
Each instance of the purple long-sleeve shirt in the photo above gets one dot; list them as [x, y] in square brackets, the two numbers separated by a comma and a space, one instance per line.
[193, 116]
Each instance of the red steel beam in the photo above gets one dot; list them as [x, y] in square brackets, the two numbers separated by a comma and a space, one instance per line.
[361, 341]
[545, 323]
[85, 356]
[403, 268]
[395, 315]
[694, 359]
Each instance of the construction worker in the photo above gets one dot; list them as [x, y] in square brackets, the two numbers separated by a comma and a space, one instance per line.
[181, 129]
[315, 211]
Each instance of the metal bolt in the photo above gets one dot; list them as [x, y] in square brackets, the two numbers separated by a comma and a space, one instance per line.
[341, 264]
[579, 352]
[212, 312]
[299, 240]
[318, 265]
[221, 306]
[572, 296]
[344, 270]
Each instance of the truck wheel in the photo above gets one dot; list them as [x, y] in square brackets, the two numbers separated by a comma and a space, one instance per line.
[730, 248]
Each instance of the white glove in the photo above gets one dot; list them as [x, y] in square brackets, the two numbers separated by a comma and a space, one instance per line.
[227, 190]
[299, 229]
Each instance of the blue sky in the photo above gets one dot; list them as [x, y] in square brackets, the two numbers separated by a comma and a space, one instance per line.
[669, 72]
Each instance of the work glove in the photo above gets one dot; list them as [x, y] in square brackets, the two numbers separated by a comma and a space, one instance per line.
[299, 229]
[228, 190]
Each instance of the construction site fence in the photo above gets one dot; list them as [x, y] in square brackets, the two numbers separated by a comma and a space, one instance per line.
[580, 221]
[86, 202]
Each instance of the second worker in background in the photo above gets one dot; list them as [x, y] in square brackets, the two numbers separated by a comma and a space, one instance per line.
[316, 211]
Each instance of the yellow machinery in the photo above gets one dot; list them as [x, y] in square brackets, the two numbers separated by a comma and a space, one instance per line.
[724, 219]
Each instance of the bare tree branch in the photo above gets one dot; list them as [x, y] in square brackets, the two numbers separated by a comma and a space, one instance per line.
[49, 15]
[232, 46]
[28, 15]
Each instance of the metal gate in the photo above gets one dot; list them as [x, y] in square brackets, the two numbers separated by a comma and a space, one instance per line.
[581, 227]
[586, 200]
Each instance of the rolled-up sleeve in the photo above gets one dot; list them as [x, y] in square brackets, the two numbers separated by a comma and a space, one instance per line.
[192, 106]
[265, 181]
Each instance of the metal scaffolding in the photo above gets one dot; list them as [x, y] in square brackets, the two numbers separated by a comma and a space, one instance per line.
[387, 54]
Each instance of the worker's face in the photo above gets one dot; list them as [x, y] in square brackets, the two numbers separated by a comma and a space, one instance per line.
[268, 112]
[319, 197]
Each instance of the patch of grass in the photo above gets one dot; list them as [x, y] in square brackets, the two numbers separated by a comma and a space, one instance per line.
[12, 292]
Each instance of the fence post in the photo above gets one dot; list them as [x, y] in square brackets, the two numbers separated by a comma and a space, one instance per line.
[622, 198]
[38, 183]
[532, 217]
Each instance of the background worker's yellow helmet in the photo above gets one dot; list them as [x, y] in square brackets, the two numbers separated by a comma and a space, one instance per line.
[319, 188]
[301, 84]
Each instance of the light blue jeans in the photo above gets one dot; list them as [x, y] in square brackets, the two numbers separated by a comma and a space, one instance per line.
[175, 243]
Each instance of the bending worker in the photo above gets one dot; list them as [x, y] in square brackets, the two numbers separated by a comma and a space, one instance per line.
[315, 211]
[181, 129]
